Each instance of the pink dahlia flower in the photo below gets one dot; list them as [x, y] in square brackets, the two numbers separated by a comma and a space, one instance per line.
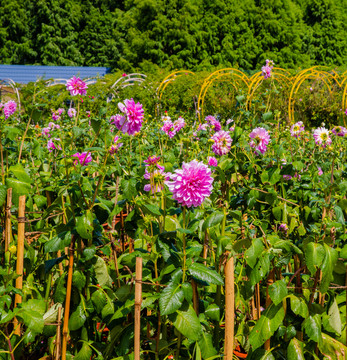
[169, 128]
[179, 124]
[266, 70]
[222, 142]
[152, 160]
[214, 123]
[76, 86]
[321, 137]
[212, 161]
[260, 139]
[202, 127]
[297, 129]
[53, 126]
[191, 184]
[10, 108]
[83, 158]
[339, 131]
[45, 131]
[283, 228]
[320, 171]
[71, 112]
[52, 146]
[131, 122]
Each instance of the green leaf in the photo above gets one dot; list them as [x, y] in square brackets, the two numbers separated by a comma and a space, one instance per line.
[343, 252]
[206, 345]
[201, 272]
[129, 188]
[3, 194]
[85, 353]
[278, 291]
[298, 306]
[267, 116]
[295, 350]
[328, 265]
[152, 209]
[84, 225]
[188, 292]
[334, 318]
[314, 254]
[332, 348]
[339, 215]
[78, 280]
[99, 300]
[19, 172]
[58, 242]
[32, 314]
[213, 312]
[77, 318]
[40, 201]
[188, 324]
[253, 252]
[101, 273]
[18, 188]
[171, 299]
[212, 220]
[266, 326]
[312, 327]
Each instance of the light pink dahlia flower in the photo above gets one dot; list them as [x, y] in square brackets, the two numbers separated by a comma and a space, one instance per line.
[71, 112]
[339, 131]
[10, 108]
[191, 184]
[76, 86]
[260, 139]
[297, 129]
[179, 124]
[222, 142]
[321, 137]
[169, 128]
[266, 70]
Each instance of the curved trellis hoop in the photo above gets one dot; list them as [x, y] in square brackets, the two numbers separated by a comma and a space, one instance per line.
[124, 81]
[9, 83]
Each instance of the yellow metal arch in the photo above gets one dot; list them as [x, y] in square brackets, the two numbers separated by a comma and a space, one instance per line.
[216, 75]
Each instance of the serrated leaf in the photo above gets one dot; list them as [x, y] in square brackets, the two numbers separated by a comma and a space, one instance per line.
[201, 272]
[188, 324]
[314, 255]
[171, 299]
[278, 291]
[266, 326]
[152, 209]
[295, 350]
[253, 252]
[212, 220]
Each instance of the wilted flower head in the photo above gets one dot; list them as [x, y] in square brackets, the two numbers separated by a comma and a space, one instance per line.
[283, 228]
[152, 160]
[297, 129]
[222, 142]
[71, 112]
[114, 147]
[260, 139]
[10, 108]
[157, 179]
[179, 124]
[83, 158]
[321, 137]
[76, 86]
[339, 131]
[52, 146]
[191, 184]
[131, 122]
[169, 128]
[212, 161]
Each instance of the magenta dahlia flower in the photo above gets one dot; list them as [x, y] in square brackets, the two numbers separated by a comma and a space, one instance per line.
[131, 122]
[169, 128]
[283, 228]
[266, 70]
[320, 171]
[339, 131]
[222, 142]
[260, 139]
[53, 146]
[212, 161]
[152, 160]
[321, 137]
[297, 129]
[213, 122]
[76, 86]
[83, 158]
[9, 108]
[191, 184]
[179, 124]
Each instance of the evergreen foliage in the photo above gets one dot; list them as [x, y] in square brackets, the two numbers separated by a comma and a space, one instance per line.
[191, 34]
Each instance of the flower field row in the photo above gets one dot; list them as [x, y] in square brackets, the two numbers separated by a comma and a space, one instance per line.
[239, 222]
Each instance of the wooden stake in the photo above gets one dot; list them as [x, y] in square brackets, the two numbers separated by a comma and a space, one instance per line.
[229, 309]
[61, 271]
[67, 300]
[58, 338]
[257, 293]
[8, 227]
[20, 257]
[138, 301]
[268, 302]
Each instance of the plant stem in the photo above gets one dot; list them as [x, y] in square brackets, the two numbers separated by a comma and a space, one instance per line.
[184, 245]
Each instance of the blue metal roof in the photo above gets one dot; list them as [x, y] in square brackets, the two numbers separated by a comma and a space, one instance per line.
[27, 73]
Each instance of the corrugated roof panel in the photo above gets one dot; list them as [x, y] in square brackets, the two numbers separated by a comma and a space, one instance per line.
[27, 73]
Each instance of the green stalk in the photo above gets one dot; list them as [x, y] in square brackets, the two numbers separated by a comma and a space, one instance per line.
[184, 245]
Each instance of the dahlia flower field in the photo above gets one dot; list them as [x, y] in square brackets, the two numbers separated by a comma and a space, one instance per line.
[187, 195]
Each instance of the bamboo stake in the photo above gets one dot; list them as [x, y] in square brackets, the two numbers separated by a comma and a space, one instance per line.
[8, 227]
[229, 309]
[195, 297]
[138, 301]
[20, 257]
[61, 271]
[58, 338]
[257, 292]
[67, 300]
[268, 302]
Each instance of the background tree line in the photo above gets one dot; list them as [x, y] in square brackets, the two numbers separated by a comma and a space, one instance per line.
[191, 34]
